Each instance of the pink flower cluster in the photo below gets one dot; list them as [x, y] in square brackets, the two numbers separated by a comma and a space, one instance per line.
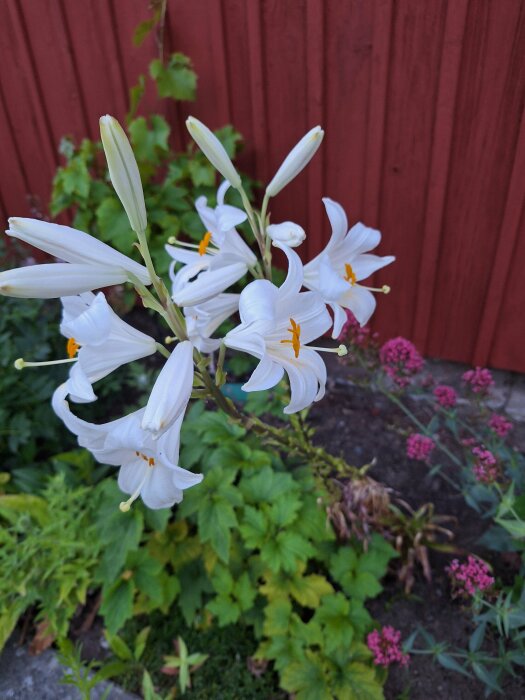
[386, 648]
[486, 465]
[354, 333]
[419, 447]
[479, 380]
[400, 360]
[500, 425]
[445, 396]
[469, 577]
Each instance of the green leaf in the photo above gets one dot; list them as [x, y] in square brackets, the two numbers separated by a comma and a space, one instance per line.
[277, 617]
[356, 681]
[202, 173]
[477, 637]
[119, 647]
[225, 608]
[143, 29]
[136, 93]
[11, 505]
[254, 528]
[140, 643]
[450, 663]
[285, 550]
[114, 225]
[149, 143]
[216, 518]
[333, 615]
[306, 679]
[117, 605]
[176, 79]
[308, 590]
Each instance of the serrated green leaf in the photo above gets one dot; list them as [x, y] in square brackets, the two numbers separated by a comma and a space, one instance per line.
[176, 79]
[225, 609]
[114, 225]
[306, 679]
[333, 615]
[117, 605]
[254, 528]
[308, 590]
[216, 518]
[277, 617]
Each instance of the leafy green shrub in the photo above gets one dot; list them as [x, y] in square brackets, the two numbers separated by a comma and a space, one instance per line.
[251, 545]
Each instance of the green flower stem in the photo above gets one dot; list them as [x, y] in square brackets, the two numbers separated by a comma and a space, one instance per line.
[392, 397]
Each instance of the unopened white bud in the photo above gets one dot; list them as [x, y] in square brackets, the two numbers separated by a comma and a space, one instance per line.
[296, 160]
[124, 171]
[288, 233]
[213, 150]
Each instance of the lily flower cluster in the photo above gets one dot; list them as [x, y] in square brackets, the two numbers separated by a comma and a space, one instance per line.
[277, 324]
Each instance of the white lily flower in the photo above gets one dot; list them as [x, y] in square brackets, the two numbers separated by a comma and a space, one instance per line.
[102, 339]
[148, 467]
[287, 233]
[276, 323]
[171, 392]
[344, 262]
[213, 150]
[300, 155]
[124, 171]
[204, 319]
[92, 264]
[220, 259]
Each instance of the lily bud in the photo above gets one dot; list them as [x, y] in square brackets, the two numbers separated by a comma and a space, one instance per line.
[213, 150]
[296, 160]
[287, 233]
[124, 171]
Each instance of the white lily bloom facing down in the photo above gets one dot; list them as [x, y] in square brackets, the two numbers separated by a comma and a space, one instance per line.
[204, 319]
[148, 467]
[92, 264]
[337, 270]
[213, 150]
[220, 259]
[124, 171]
[276, 323]
[102, 339]
[298, 158]
[171, 392]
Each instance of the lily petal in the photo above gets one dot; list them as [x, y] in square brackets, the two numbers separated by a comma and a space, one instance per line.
[171, 392]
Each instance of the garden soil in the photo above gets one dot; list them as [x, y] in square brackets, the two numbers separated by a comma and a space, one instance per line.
[362, 425]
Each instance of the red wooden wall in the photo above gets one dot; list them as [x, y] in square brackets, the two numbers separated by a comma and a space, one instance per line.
[422, 102]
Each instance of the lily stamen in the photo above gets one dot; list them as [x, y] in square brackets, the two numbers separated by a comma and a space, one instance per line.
[341, 350]
[72, 347]
[295, 342]
[20, 363]
[385, 289]
[350, 274]
[204, 243]
[124, 506]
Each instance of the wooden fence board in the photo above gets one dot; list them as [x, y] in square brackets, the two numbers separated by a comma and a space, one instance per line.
[421, 102]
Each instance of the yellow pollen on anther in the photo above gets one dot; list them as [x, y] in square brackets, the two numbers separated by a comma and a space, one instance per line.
[205, 242]
[72, 347]
[350, 274]
[151, 462]
[295, 342]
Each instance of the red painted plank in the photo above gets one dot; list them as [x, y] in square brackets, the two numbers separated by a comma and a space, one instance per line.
[415, 56]
[445, 112]
[490, 97]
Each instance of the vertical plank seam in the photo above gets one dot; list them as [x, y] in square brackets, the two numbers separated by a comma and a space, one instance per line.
[39, 94]
[315, 22]
[508, 237]
[439, 168]
[70, 49]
